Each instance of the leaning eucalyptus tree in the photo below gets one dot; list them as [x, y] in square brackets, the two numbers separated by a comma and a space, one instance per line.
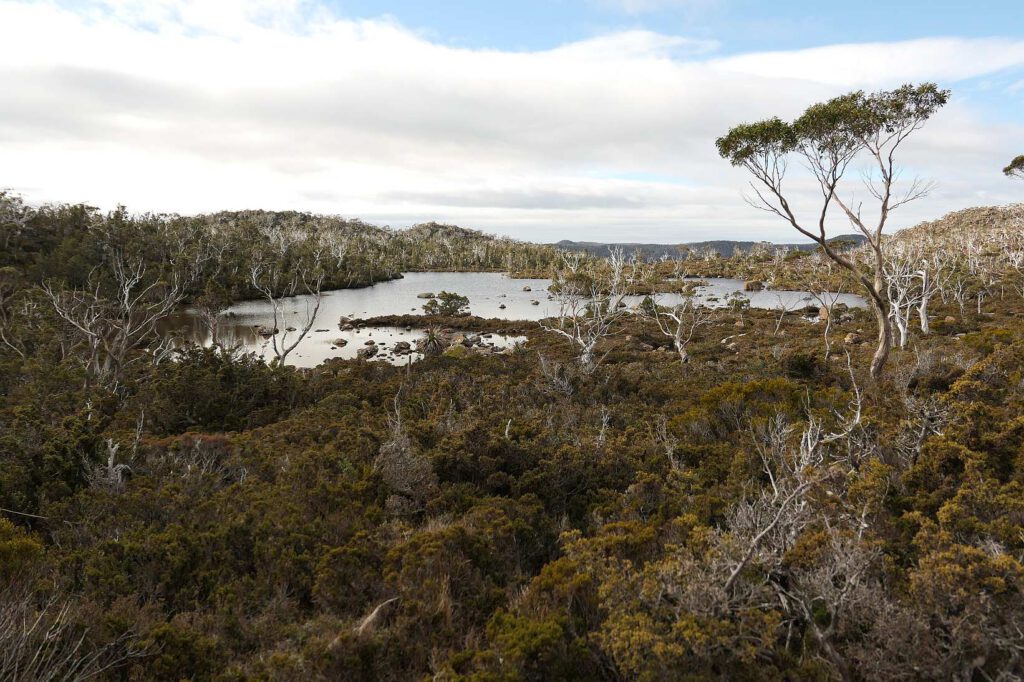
[829, 137]
[1015, 169]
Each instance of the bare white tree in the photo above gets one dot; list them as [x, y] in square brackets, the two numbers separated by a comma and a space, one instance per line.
[590, 302]
[680, 319]
[114, 320]
[270, 275]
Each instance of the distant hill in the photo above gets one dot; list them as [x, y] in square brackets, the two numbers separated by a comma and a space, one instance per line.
[724, 247]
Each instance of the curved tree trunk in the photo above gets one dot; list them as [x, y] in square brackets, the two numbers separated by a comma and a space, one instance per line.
[884, 339]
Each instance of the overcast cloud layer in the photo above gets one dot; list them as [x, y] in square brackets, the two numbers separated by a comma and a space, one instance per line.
[192, 105]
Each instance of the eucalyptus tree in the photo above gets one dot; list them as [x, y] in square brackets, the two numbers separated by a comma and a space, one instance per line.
[829, 137]
[1015, 169]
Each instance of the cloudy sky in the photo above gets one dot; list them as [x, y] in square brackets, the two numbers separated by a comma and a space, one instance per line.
[539, 119]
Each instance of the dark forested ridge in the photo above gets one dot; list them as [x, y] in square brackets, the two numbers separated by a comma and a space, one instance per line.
[658, 494]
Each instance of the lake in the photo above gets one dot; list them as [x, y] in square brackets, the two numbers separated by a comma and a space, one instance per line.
[491, 295]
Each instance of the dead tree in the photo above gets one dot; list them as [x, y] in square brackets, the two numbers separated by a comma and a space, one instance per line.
[114, 320]
[590, 302]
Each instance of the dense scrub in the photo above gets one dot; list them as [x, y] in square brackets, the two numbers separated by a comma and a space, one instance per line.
[764, 511]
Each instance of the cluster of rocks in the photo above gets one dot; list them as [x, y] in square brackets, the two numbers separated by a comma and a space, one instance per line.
[459, 343]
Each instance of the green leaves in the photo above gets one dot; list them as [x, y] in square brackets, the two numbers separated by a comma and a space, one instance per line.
[772, 137]
[837, 128]
[1015, 168]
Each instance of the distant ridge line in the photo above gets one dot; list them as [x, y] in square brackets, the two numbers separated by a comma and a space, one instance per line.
[725, 247]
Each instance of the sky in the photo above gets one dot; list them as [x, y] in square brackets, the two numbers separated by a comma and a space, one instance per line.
[537, 119]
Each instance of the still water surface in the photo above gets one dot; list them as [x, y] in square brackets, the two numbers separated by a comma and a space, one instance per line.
[491, 295]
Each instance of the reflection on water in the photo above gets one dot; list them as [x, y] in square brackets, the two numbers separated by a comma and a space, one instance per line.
[491, 295]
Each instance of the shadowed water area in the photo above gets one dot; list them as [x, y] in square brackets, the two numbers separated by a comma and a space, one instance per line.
[491, 295]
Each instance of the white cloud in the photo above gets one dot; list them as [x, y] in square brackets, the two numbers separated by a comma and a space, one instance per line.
[634, 7]
[188, 105]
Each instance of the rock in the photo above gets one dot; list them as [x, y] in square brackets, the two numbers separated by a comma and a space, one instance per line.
[366, 353]
[346, 326]
[846, 317]
[426, 294]
[370, 342]
[949, 319]
[527, 288]
[739, 323]
[266, 332]
[753, 285]
[321, 331]
[645, 347]
[823, 313]
[501, 307]
[534, 302]
[733, 346]
[289, 329]
[853, 338]
[340, 342]
[457, 340]
[403, 347]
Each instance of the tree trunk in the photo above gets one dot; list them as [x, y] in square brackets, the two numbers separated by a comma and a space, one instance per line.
[922, 311]
[884, 340]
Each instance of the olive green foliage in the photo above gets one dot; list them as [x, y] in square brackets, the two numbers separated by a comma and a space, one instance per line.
[447, 303]
[761, 512]
[1015, 168]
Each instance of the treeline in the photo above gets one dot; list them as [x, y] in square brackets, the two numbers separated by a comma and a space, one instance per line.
[219, 251]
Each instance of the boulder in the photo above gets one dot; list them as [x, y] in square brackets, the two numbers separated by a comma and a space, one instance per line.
[823, 314]
[265, 331]
[321, 331]
[949, 319]
[370, 342]
[403, 347]
[501, 307]
[425, 294]
[753, 285]
[853, 338]
[527, 288]
[534, 302]
[366, 353]
[340, 342]
[289, 329]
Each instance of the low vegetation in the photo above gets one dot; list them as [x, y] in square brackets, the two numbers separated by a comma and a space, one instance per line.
[656, 494]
